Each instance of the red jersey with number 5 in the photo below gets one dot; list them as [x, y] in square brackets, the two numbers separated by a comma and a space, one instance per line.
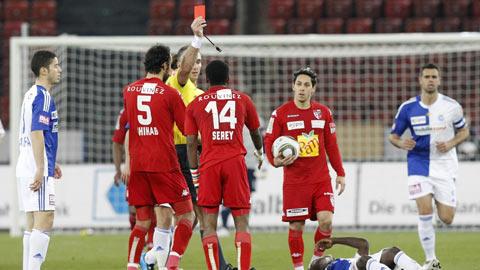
[151, 108]
[220, 115]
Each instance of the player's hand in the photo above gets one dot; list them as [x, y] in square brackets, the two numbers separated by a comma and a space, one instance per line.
[57, 174]
[408, 144]
[197, 26]
[117, 178]
[324, 244]
[259, 155]
[280, 161]
[37, 180]
[126, 173]
[340, 184]
[195, 177]
[443, 147]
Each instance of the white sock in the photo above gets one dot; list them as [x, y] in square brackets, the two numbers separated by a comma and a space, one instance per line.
[161, 247]
[26, 247]
[373, 264]
[426, 233]
[38, 249]
[403, 261]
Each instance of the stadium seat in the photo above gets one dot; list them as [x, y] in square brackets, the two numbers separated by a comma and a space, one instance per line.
[447, 25]
[277, 26]
[162, 9]
[330, 26]
[43, 10]
[413, 25]
[476, 8]
[185, 9]
[43, 28]
[160, 27]
[221, 10]
[280, 9]
[389, 25]
[455, 8]
[339, 8]
[1, 11]
[471, 24]
[398, 8]
[359, 25]
[300, 26]
[312, 9]
[182, 27]
[368, 8]
[11, 29]
[426, 8]
[218, 27]
[15, 10]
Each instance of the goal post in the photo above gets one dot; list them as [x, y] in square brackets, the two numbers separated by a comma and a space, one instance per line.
[362, 78]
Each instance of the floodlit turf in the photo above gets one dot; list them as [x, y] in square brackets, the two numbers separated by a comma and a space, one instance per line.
[456, 250]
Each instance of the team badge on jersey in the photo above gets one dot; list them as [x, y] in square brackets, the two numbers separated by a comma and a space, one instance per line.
[317, 113]
[309, 145]
[44, 119]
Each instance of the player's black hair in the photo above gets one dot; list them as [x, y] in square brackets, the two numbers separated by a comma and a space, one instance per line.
[429, 66]
[306, 71]
[176, 57]
[321, 263]
[156, 57]
[217, 72]
[41, 59]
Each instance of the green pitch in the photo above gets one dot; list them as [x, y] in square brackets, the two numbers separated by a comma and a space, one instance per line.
[456, 250]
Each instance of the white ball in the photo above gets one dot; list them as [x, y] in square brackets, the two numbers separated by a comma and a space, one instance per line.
[285, 146]
[287, 152]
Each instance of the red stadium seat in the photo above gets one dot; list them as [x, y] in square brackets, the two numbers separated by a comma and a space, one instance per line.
[43, 10]
[182, 27]
[218, 27]
[330, 26]
[426, 8]
[11, 29]
[455, 8]
[300, 26]
[185, 9]
[476, 8]
[447, 25]
[418, 25]
[224, 9]
[339, 8]
[160, 27]
[398, 8]
[312, 9]
[368, 8]
[15, 10]
[277, 26]
[471, 24]
[162, 9]
[389, 25]
[359, 25]
[43, 28]
[280, 9]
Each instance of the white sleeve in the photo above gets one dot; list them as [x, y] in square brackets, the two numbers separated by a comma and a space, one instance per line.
[458, 118]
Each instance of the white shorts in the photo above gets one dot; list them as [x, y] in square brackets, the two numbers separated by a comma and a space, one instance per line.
[443, 190]
[34, 201]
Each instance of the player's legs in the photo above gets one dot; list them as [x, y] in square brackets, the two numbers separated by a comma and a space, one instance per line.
[444, 193]
[26, 239]
[324, 230]
[369, 263]
[210, 239]
[446, 213]
[295, 243]
[161, 237]
[137, 235]
[243, 239]
[395, 257]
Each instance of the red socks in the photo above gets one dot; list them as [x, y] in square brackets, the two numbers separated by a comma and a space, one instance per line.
[151, 230]
[319, 235]
[243, 244]
[132, 220]
[181, 237]
[295, 243]
[136, 244]
[210, 247]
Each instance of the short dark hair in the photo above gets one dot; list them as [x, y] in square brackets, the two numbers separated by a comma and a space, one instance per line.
[429, 66]
[306, 71]
[217, 72]
[41, 59]
[176, 58]
[155, 57]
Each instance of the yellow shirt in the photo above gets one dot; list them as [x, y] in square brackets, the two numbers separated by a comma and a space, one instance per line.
[189, 92]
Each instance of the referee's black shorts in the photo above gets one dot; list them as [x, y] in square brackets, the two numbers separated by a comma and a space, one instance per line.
[183, 160]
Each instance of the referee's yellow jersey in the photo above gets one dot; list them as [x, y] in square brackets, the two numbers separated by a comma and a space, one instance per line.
[189, 92]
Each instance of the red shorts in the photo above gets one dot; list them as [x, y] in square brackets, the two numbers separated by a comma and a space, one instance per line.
[301, 202]
[226, 181]
[150, 188]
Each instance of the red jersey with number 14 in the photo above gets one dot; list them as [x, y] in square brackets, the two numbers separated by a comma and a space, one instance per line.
[220, 115]
[151, 108]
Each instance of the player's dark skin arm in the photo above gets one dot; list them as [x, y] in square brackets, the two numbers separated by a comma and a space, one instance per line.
[360, 244]
[192, 146]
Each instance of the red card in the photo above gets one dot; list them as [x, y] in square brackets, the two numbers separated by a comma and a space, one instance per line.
[199, 10]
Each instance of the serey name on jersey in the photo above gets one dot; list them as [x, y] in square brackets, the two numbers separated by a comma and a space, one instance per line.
[222, 135]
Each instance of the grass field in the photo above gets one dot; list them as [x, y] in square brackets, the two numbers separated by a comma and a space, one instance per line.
[456, 250]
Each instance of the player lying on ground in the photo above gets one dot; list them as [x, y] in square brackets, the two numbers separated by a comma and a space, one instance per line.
[387, 258]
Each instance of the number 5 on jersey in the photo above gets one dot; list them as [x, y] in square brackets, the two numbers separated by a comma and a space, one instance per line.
[142, 107]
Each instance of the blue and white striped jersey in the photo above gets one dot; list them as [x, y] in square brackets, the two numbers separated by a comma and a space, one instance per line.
[38, 113]
[428, 125]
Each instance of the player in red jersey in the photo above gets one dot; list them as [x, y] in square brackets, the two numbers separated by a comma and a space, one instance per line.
[152, 168]
[220, 115]
[307, 189]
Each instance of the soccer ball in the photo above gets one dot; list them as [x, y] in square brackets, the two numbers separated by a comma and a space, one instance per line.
[285, 146]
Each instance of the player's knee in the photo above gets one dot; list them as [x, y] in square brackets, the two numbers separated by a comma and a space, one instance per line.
[325, 225]
[447, 219]
[296, 226]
